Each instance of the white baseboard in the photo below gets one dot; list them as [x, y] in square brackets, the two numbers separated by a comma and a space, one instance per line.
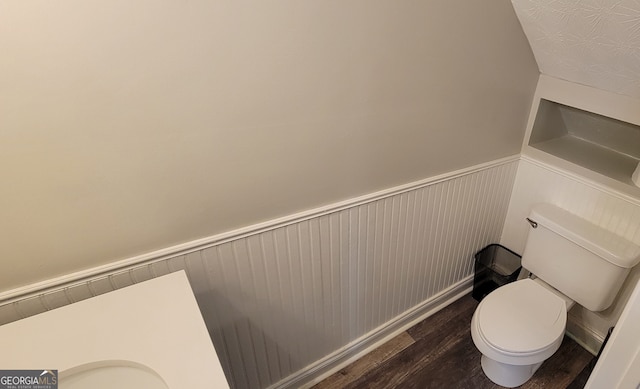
[585, 336]
[341, 358]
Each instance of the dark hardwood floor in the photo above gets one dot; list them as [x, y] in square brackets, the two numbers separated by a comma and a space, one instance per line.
[439, 353]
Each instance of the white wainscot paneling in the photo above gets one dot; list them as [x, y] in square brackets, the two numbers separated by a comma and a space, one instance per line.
[537, 182]
[286, 299]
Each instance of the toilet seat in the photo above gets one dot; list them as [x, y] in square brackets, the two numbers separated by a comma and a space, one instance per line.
[521, 319]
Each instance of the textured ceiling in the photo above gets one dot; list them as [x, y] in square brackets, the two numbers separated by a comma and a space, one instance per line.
[591, 42]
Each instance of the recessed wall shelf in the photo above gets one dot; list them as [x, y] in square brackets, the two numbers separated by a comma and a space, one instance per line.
[589, 132]
[604, 145]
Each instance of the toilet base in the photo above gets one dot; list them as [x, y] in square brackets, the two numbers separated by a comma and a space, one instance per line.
[507, 375]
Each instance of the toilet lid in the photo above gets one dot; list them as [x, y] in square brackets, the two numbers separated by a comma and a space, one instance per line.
[522, 317]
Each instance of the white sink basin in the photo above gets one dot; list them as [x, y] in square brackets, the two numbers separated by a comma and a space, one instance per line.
[148, 335]
[98, 376]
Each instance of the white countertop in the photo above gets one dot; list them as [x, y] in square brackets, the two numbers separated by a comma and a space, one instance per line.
[156, 324]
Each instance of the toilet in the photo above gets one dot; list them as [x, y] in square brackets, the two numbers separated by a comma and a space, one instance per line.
[521, 324]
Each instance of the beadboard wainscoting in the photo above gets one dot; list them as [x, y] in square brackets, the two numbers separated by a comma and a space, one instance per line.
[298, 295]
[540, 182]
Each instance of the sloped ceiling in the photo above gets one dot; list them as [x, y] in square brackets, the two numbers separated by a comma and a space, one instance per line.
[590, 42]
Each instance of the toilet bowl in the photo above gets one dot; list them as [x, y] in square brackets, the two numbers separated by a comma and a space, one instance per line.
[516, 328]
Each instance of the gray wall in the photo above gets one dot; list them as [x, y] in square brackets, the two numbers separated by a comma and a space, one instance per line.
[129, 126]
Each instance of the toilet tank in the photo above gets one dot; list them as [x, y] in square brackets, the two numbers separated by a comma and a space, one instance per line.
[585, 262]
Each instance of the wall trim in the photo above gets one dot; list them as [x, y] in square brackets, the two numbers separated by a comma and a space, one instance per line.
[74, 278]
[585, 336]
[341, 358]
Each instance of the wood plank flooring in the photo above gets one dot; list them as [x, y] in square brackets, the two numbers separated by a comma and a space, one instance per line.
[439, 353]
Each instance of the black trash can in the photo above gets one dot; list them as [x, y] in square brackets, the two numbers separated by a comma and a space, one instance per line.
[495, 266]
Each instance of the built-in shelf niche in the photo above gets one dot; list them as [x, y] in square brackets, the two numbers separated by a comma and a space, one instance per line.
[598, 143]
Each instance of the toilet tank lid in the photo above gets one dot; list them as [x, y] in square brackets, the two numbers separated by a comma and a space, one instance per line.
[611, 247]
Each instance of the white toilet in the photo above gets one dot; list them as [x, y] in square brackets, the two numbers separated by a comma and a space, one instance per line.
[521, 324]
